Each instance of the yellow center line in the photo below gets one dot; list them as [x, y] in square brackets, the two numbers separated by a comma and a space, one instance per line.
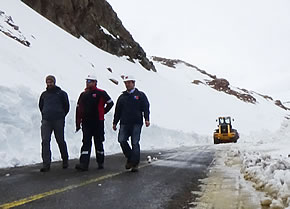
[57, 191]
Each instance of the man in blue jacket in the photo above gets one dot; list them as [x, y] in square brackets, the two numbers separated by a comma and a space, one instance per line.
[54, 106]
[132, 106]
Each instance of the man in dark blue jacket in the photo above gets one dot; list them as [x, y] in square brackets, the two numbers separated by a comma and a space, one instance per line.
[132, 106]
[54, 106]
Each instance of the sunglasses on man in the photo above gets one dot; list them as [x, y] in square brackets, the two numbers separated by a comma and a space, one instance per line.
[90, 81]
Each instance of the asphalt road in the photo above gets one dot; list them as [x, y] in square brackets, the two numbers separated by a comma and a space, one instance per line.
[166, 183]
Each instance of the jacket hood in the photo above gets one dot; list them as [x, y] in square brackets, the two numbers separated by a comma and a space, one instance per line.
[53, 89]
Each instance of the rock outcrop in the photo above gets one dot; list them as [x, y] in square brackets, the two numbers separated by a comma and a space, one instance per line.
[219, 84]
[222, 84]
[173, 62]
[96, 21]
[11, 29]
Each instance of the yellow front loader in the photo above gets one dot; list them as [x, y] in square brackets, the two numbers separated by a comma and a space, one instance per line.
[225, 133]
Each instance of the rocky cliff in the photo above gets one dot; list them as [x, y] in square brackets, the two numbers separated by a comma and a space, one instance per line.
[96, 21]
[219, 84]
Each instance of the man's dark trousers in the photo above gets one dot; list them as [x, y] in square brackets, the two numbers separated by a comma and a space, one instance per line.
[57, 126]
[95, 130]
[131, 153]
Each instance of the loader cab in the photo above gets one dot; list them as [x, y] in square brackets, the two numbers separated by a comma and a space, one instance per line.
[225, 124]
[225, 133]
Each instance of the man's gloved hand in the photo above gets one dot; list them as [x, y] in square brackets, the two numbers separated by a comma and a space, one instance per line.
[147, 123]
[114, 127]
[78, 128]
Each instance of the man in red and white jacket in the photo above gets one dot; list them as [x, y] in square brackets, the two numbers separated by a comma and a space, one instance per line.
[92, 105]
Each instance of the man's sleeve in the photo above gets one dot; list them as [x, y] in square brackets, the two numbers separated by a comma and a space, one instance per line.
[107, 97]
[65, 103]
[79, 111]
[109, 102]
[40, 103]
[145, 107]
[118, 110]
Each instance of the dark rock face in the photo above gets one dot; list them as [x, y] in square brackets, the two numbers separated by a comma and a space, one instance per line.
[12, 30]
[96, 21]
[219, 84]
[279, 103]
[222, 84]
[172, 62]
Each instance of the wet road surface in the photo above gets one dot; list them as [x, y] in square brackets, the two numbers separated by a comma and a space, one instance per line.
[166, 183]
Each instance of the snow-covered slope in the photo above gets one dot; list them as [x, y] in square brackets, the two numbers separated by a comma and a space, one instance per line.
[182, 113]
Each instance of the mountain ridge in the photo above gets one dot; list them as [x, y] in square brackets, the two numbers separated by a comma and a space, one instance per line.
[219, 84]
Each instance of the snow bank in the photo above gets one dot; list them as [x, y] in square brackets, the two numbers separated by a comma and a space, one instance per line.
[265, 162]
[20, 138]
[270, 175]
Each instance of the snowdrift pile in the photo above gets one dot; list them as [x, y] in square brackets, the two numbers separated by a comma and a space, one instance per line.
[265, 164]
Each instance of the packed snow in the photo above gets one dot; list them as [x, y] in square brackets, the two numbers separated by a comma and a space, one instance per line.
[182, 113]
[265, 162]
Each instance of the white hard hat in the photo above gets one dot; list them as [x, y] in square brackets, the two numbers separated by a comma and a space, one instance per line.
[129, 78]
[91, 77]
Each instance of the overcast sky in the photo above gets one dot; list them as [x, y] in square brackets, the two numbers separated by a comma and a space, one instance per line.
[245, 41]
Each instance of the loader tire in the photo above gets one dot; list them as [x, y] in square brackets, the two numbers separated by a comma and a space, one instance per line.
[215, 141]
[236, 135]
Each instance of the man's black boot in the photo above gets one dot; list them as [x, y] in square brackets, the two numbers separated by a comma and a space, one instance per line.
[81, 167]
[100, 165]
[128, 165]
[65, 164]
[135, 168]
[45, 168]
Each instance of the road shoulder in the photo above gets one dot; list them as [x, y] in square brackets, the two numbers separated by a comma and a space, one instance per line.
[225, 186]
